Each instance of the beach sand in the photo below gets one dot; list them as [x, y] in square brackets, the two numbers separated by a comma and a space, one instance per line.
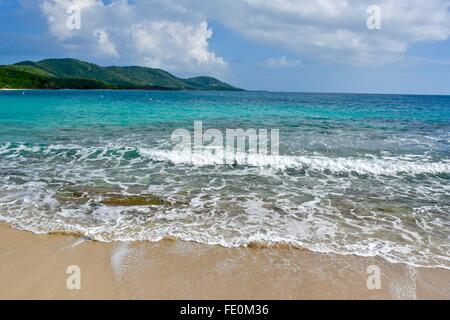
[34, 267]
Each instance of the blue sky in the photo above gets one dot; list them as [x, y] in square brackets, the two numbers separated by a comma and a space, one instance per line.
[281, 45]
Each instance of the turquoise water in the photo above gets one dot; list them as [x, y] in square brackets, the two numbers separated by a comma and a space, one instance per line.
[357, 174]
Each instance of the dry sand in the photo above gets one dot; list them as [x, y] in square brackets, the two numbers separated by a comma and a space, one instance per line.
[34, 267]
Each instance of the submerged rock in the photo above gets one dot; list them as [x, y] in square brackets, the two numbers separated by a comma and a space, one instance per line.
[71, 195]
[108, 197]
[134, 200]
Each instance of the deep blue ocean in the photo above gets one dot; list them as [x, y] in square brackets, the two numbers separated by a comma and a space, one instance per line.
[357, 174]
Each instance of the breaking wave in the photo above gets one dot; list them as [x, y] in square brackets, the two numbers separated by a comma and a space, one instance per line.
[413, 165]
[392, 207]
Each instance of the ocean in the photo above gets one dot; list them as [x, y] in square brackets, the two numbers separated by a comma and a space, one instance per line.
[356, 174]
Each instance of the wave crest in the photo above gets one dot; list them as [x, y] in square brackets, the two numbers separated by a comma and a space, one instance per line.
[372, 166]
[389, 166]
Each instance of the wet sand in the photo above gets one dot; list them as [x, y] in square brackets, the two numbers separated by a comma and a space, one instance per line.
[34, 267]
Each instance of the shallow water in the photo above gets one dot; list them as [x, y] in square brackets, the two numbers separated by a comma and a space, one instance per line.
[357, 174]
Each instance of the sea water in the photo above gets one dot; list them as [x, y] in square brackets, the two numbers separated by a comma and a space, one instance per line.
[357, 174]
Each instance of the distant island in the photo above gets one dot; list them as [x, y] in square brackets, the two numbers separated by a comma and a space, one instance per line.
[76, 74]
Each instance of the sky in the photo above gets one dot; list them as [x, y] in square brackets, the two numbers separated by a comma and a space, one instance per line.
[371, 46]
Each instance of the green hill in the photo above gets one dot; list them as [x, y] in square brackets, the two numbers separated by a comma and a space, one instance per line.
[207, 83]
[16, 78]
[76, 74]
[143, 77]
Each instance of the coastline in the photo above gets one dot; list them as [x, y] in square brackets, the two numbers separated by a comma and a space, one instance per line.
[12, 89]
[34, 267]
[120, 89]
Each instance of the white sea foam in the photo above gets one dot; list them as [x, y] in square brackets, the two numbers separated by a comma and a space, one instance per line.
[388, 165]
[373, 166]
[226, 206]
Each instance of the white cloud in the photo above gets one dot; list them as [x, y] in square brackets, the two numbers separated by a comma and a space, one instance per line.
[150, 33]
[336, 30]
[174, 45]
[105, 46]
[58, 12]
[283, 62]
[175, 34]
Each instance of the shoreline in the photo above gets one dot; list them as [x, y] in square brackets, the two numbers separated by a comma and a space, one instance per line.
[254, 245]
[34, 267]
[107, 89]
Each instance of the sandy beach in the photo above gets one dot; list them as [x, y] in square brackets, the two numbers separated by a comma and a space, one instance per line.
[243, 150]
[34, 267]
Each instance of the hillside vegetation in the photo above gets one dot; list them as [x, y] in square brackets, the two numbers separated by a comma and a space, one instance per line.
[76, 74]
